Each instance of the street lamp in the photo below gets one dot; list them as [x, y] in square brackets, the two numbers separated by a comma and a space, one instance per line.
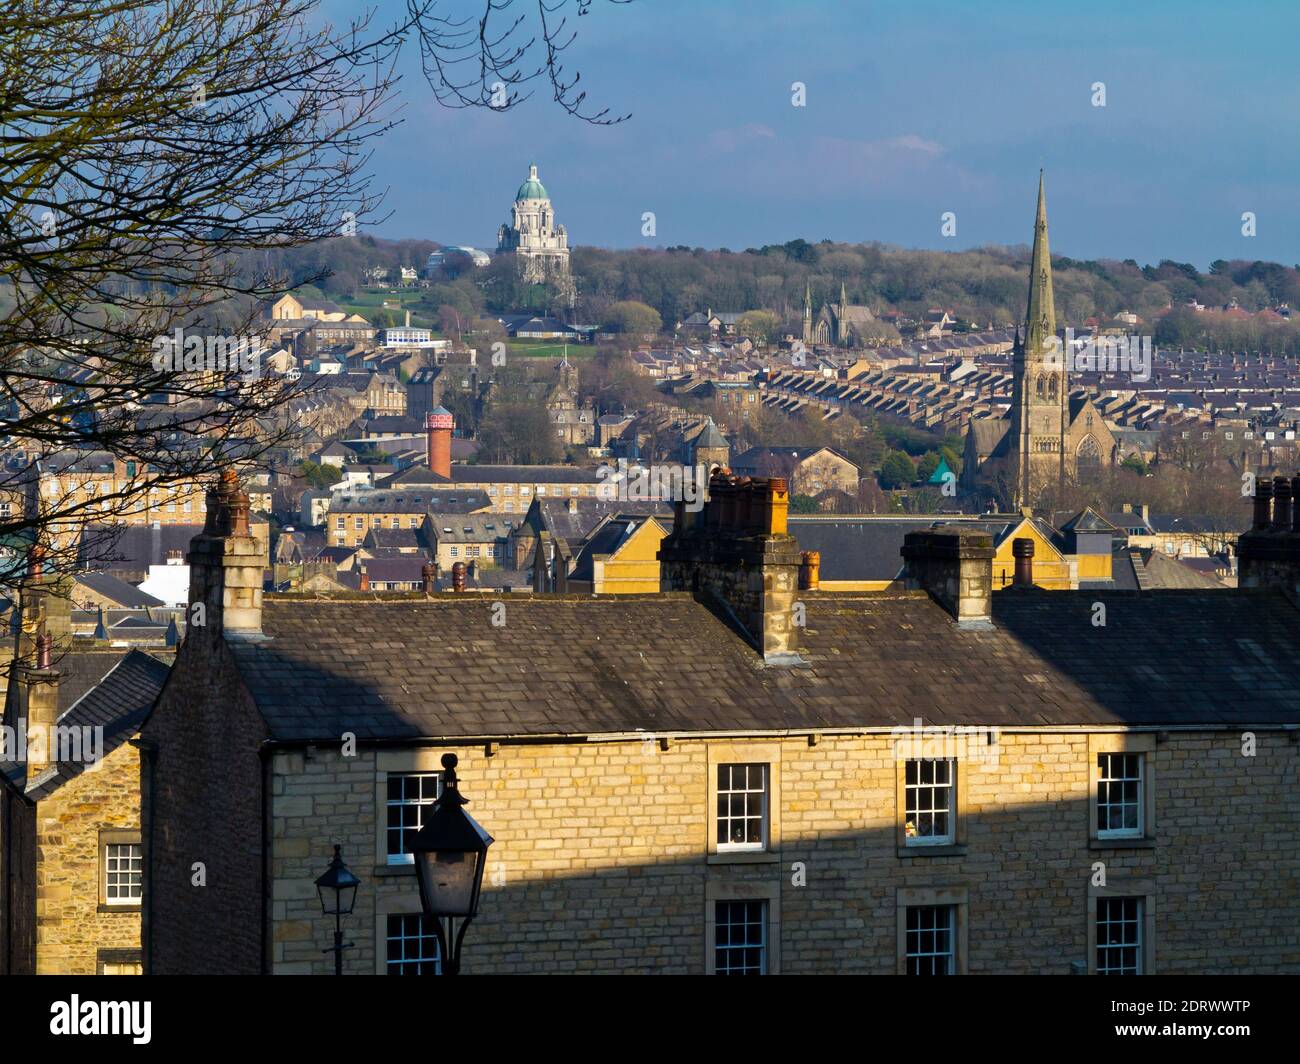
[339, 880]
[450, 852]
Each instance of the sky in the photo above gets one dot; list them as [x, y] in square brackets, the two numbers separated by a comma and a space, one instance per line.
[913, 108]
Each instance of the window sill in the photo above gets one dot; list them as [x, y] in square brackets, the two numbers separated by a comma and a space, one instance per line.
[385, 870]
[1121, 844]
[744, 857]
[118, 908]
[955, 849]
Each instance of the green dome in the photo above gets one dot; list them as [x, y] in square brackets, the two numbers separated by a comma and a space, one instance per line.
[532, 188]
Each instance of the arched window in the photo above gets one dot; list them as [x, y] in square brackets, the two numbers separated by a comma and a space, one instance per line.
[1051, 386]
[1088, 457]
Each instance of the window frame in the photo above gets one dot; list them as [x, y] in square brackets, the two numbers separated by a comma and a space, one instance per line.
[744, 753]
[956, 898]
[910, 846]
[720, 890]
[1140, 743]
[1145, 891]
[385, 934]
[119, 837]
[403, 859]
[106, 957]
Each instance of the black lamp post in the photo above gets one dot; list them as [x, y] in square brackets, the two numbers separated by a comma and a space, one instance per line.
[450, 852]
[339, 880]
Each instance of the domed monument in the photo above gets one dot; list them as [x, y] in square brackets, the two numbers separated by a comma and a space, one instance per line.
[540, 246]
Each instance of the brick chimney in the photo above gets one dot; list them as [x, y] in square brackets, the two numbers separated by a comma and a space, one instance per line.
[438, 427]
[429, 577]
[226, 565]
[1269, 554]
[458, 577]
[737, 553]
[955, 565]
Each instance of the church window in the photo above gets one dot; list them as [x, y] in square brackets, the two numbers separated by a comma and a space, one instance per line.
[1088, 457]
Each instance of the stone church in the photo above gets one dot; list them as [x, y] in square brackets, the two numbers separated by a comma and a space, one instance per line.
[842, 324]
[540, 246]
[1049, 437]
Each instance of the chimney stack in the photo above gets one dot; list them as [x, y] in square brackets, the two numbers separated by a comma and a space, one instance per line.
[40, 692]
[365, 580]
[428, 577]
[1268, 555]
[458, 577]
[226, 565]
[438, 427]
[737, 553]
[955, 566]
[1022, 549]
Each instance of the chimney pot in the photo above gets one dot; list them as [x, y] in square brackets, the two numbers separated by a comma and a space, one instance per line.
[1281, 504]
[1263, 503]
[1022, 549]
[458, 577]
[428, 577]
[810, 568]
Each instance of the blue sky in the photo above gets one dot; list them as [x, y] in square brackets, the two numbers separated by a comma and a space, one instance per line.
[914, 108]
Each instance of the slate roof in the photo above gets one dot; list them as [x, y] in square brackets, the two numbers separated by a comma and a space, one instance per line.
[523, 474]
[115, 590]
[575, 666]
[574, 525]
[110, 690]
[856, 549]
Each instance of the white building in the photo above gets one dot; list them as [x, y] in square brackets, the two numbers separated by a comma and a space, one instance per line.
[533, 237]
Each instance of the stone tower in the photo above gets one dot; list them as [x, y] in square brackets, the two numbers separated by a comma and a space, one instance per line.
[540, 246]
[1040, 393]
[710, 448]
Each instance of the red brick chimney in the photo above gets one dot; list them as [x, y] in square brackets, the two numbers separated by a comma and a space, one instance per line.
[438, 426]
[365, 580]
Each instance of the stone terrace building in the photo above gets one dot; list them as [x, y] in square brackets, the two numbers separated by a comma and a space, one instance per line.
[724, 776]
[71, 867]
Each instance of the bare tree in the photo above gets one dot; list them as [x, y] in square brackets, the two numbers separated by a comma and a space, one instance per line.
[146, 148]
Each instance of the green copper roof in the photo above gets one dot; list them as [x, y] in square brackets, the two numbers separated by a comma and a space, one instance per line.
[532, 188]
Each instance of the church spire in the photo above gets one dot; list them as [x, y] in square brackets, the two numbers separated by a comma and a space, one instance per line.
[1040, 316]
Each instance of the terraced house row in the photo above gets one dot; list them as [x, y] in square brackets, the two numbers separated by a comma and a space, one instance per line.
[737, 774]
